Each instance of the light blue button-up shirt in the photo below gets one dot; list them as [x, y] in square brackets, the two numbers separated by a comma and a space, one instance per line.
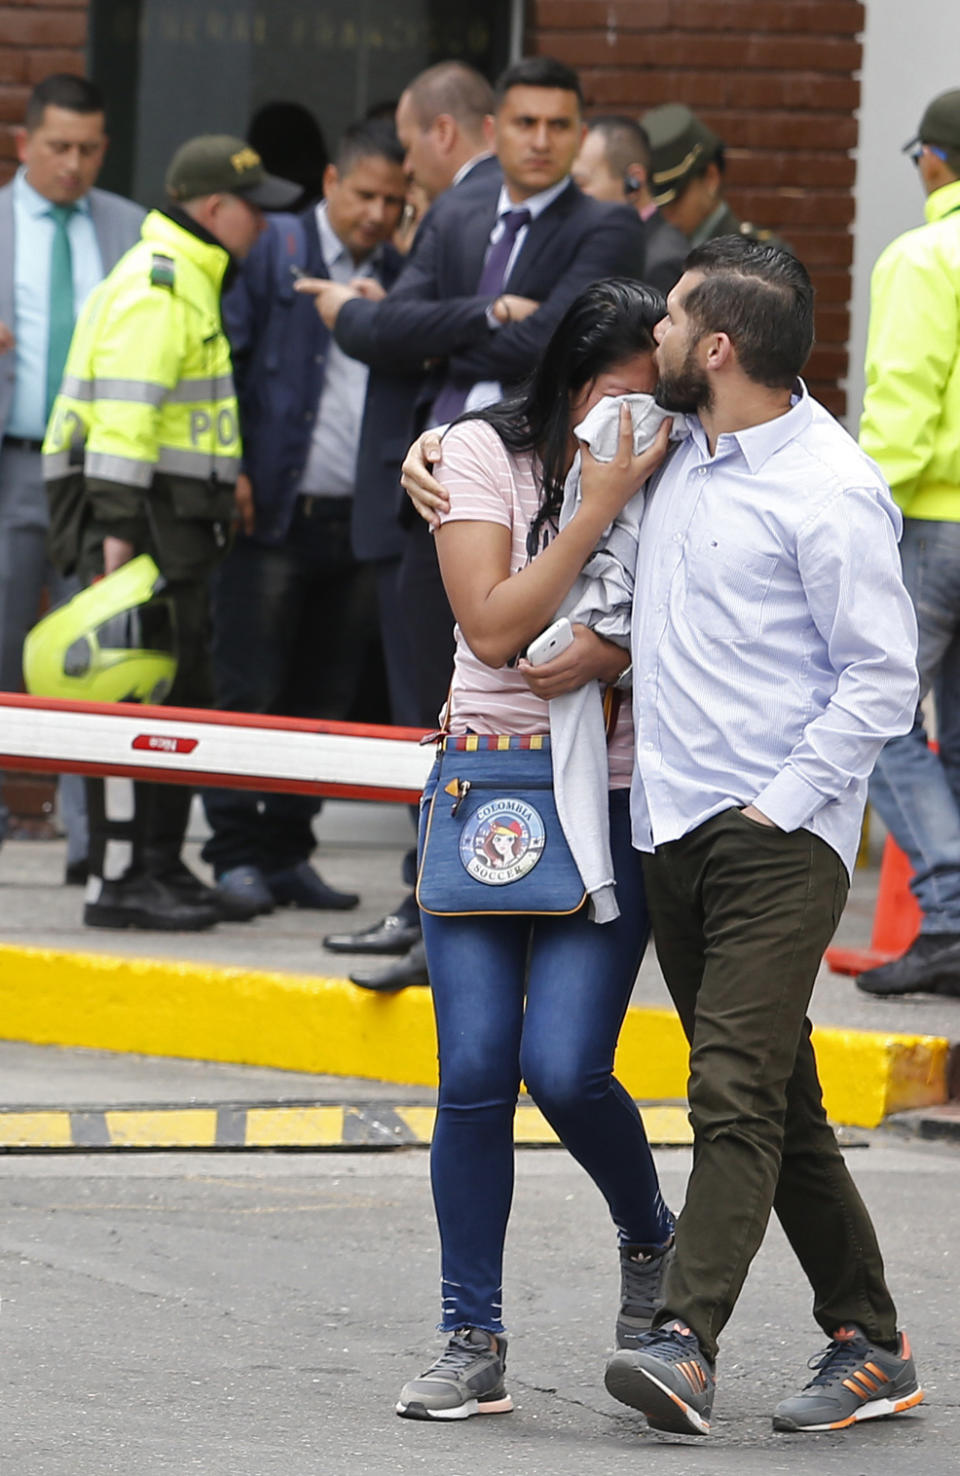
[33, 229]
[331, 469]
[774, 644]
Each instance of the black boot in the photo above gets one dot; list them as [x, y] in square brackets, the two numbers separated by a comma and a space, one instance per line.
[931, 965]
[166, 815]
[140, 901]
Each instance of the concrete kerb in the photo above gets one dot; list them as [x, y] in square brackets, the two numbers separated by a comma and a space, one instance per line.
[327, 1025]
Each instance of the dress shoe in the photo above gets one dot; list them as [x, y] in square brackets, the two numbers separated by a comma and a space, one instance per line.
[407, 971]
[189, 888]
[931, 965]
[300, 886]
[76, 873]
[144, 902]
[392, 934]
[243, 891]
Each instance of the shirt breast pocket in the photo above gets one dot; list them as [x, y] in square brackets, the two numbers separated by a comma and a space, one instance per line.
[727, 589]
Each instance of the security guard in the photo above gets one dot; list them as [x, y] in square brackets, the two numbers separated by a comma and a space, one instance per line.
[686, 177]
[141, 456]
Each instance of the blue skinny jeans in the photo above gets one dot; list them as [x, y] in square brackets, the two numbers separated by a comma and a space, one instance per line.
[560, 1038]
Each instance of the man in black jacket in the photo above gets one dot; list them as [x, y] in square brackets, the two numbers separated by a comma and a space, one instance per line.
[292, 607]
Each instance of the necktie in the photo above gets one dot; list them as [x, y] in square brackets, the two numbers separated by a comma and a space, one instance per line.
[61, 313]
[452, 397]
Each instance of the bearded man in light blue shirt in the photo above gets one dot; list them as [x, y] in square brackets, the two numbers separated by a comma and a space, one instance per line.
[774, 653]
[58, 238]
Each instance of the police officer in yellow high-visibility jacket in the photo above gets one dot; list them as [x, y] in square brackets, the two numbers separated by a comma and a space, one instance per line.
[141, 456]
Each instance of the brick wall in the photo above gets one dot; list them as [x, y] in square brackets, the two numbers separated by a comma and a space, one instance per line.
[37, 37]
[776, 79]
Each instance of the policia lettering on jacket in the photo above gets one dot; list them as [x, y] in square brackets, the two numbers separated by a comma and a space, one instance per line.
[143, 441]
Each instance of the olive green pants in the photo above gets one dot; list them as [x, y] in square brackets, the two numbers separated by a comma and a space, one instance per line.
[741, 915]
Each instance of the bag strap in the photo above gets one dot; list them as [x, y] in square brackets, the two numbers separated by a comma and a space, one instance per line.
[439, 734]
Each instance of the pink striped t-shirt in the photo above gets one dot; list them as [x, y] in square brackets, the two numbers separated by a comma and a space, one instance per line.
[487, 483]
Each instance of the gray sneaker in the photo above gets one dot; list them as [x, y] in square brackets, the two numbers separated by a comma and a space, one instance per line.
[467, 1379]
[854, 1380]
[641, 1291]
[667, 1378]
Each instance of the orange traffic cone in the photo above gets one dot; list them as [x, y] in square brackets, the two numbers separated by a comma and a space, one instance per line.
[896, 921]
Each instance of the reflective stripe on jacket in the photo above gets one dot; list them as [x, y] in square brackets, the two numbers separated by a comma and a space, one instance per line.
[911, 408]
[148, 385]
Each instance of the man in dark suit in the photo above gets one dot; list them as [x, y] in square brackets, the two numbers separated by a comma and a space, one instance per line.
[614, 164]
[58, 238]
[497, 263]
[293, 610]
[496, 267]
[441, 121]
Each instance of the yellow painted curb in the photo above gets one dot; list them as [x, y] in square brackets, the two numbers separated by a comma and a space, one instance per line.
[327, 1026]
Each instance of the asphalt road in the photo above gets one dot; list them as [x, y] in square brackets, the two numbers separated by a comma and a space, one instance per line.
[255, 1315]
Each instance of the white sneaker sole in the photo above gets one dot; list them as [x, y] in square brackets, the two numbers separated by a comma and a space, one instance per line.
[417, 1411]
[876, 1409]
[642, 1390]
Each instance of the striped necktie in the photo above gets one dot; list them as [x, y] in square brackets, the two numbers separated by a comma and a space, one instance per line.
[61, 314]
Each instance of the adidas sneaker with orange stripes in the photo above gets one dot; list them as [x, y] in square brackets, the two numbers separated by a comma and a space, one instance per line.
[667, 1377]
[854, 1380]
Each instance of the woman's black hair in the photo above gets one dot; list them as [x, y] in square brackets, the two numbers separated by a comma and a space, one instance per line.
[610, 322]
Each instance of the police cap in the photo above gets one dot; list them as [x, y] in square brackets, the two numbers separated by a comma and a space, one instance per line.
[216, 163]
[940, 123]
[680, 147]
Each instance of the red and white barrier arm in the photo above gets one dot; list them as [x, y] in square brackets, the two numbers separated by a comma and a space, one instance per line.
[231, 750]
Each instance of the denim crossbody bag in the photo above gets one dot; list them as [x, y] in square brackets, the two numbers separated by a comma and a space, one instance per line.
[491, 838]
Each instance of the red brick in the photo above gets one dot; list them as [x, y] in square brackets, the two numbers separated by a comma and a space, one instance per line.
[833, 323]
[781, 209]
[807, 90]
[588, 15]
[823, 16]
[54, 27]
[791, 131]
[13, 102]
[627, 91]
[817, 248]
[830, 396]
[797, 171]
[654, 86]
[605, 48]
[42, 64]
[827, 17]
[827, 361]
[721, 51]
[13, 66]
[831, 286]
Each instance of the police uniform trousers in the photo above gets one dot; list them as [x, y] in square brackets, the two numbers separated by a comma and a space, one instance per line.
[138, 827]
